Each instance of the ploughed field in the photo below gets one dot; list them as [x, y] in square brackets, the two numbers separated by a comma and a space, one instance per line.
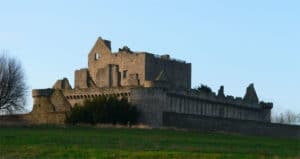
[87, 142]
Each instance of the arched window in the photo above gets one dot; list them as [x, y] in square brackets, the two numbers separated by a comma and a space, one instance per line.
[97, 56]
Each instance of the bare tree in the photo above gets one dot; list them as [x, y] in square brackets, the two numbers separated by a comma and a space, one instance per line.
[298, 118]
[12, 85]
[277, 118]
[288, 117]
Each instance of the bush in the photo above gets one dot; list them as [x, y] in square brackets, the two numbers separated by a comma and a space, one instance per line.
[204, 88]
[103, 110]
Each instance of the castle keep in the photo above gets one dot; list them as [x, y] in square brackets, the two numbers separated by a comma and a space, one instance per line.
[130, 69]
[157, 85]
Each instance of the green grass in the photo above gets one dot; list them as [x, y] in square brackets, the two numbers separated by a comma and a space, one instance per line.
[86, 142]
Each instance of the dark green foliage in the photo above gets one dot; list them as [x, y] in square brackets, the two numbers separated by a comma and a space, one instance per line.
[204, 88]
[103, 110]
[266, 105]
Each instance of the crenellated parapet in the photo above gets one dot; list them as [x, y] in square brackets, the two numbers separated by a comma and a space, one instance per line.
[250, 99]
[42, 92]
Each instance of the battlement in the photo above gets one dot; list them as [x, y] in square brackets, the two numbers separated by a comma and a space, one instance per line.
[167, 57]
[228, 100]
[42, 92]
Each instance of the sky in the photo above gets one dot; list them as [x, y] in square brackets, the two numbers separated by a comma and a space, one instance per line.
[231, 43]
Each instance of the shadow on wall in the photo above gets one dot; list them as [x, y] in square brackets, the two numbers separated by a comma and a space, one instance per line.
[245, 127]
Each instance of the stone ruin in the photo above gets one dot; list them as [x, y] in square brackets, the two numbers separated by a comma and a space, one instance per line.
[155, 84]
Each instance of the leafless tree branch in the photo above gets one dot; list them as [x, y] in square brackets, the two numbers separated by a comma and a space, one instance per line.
[288, 117]
[12, 85]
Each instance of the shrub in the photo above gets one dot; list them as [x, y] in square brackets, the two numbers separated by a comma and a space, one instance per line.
[108, 110]
[204, 88]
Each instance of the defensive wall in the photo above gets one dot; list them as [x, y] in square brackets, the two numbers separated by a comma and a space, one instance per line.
[219, 124]
[162, 108]
[152, 102]
[79, 95]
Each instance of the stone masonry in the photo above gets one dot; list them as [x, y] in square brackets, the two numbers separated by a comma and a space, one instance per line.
[155, 84]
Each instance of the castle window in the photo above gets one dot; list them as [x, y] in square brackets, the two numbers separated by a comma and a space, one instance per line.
[125, 74]
[97, 56]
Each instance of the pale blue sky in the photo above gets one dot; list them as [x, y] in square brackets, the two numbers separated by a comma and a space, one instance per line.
[230, 43]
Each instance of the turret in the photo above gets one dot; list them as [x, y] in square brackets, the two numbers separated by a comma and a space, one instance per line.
[251, 96]
[62, 84]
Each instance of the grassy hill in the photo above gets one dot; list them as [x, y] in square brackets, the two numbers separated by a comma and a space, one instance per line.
[86, 142]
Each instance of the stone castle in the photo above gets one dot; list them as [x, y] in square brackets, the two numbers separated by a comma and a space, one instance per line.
[155, 84]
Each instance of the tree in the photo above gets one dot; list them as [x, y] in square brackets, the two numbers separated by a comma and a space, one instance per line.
[203, 88]
[12, 85]
[107, 110]
[288, 117]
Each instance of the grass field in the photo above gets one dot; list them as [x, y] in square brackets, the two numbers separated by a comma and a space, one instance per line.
[86, 142]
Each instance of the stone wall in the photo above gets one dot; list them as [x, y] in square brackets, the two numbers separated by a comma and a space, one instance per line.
[47, 118]
[127, 68]
[109, 76]
[33, 119]
[128, 64]
[180, 103]
[50, 107]
[151, 102]
[79, 95]
[206, 123]
[83, 79]
[14, 120]
[178, 73]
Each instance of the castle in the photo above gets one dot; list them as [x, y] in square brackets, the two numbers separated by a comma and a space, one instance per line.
[157, 85]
